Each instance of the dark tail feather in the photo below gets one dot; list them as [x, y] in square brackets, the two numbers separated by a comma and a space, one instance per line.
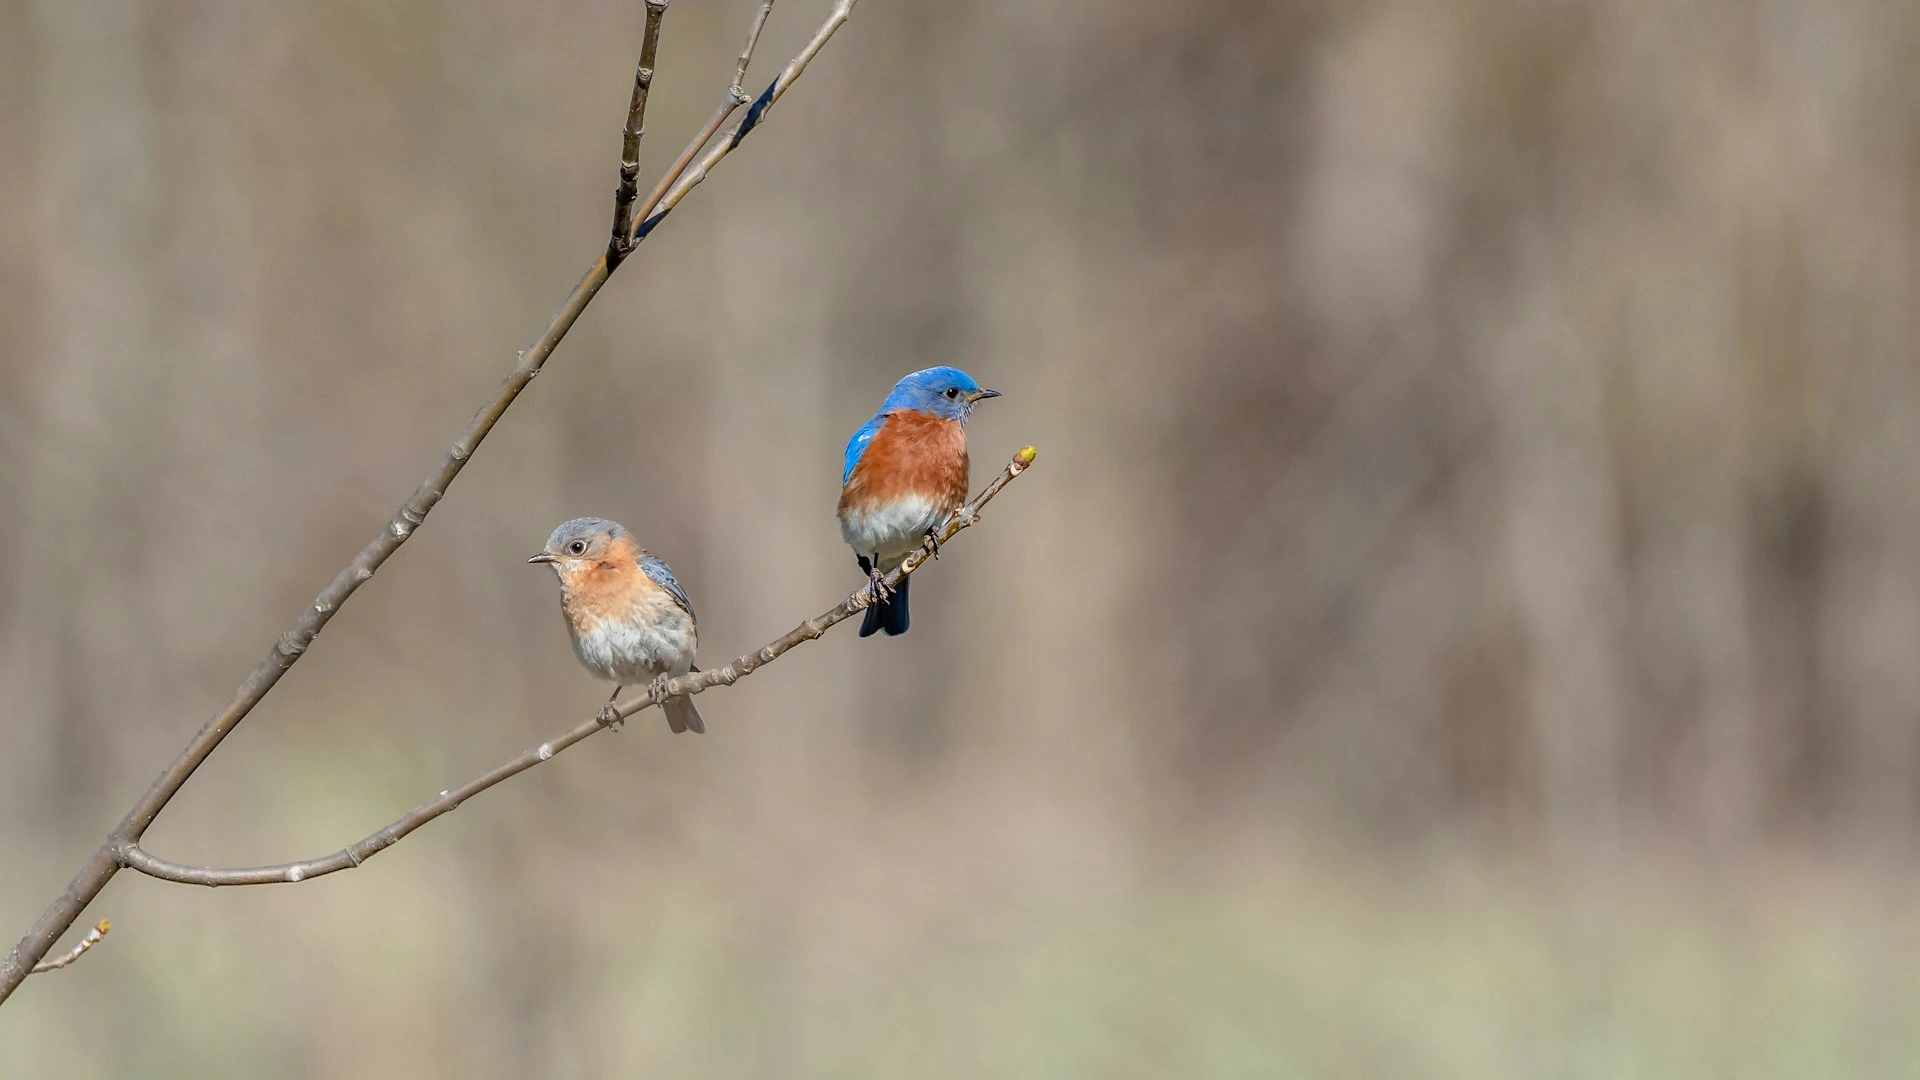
[682, 716]
[889, 614]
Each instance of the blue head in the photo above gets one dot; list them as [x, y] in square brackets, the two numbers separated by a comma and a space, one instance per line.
[946, 392]
[943, 391]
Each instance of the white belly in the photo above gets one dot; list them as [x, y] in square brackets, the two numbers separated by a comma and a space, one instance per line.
[890, 529]
[629, 652]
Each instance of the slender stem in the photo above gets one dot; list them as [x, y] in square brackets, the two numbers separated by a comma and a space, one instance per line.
[137, 858]
[621, 241]
[746, 53]
[679, 166]
[79, 949]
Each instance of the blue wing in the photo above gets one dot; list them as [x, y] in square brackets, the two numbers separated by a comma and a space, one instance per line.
[651, 566]
[858, 444]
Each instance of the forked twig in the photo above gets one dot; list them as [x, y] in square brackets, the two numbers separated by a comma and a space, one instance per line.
[114, 852]
[134, 857]
[660, 208]
[734, 97]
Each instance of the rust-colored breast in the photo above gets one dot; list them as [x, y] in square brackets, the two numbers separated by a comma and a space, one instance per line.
[913, 453]
[608, 588]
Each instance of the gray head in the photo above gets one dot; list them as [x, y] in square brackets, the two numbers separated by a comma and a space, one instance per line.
[582, 542]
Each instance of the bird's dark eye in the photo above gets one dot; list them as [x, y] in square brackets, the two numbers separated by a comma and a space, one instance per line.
[578, 547]
[953, 392]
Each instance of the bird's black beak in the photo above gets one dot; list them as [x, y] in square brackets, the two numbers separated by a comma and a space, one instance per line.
[981, 395]
[542, 557]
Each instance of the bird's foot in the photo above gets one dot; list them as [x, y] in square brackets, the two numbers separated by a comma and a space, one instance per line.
[877, 586]
[657, 689]
[933, 541]
[610, 717]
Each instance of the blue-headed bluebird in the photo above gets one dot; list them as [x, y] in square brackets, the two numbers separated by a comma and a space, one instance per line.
[630, 620]
[905, 472]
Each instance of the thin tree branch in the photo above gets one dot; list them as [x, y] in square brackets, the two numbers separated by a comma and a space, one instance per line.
[135, 857]
[965, 517]
[735, 96]
[651, 216]
[746, 53]
[107, 859]
[621, 241]
[79, 948]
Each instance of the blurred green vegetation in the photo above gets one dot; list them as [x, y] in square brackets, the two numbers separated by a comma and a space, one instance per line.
[1457, 970]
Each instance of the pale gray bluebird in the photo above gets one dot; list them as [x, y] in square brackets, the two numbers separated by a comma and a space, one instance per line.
[630, 620]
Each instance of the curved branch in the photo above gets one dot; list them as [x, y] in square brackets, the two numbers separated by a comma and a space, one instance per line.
[114, 852]
[134, 857]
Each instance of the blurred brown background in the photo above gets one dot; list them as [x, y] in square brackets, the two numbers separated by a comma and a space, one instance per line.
[1465, 621]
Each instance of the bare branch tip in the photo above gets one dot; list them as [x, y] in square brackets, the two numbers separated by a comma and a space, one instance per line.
[79, 949]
